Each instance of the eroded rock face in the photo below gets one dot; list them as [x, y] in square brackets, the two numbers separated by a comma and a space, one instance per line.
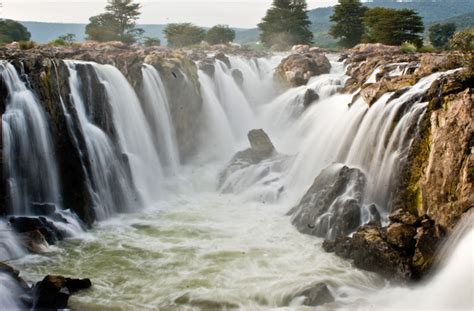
[332, 205]
[297, 69]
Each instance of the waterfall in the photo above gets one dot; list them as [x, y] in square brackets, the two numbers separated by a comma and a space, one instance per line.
[157, 111]
[134, 134]
[107, 177]
[9, 244]
[9, 293]
[28, 156]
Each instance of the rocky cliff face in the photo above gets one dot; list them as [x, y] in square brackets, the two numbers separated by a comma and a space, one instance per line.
[435, 183]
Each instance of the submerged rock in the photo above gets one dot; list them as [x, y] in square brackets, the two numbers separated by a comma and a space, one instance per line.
[332, 205]
[30, 224]
[261, 148]
[309, 97]
[316, 295]
[238, 77]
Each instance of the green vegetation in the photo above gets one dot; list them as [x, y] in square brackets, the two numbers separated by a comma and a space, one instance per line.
[220, 34]
[64, 40]
[463, 41]
[439, 34]
[393, 27]
[150, 41]
[11, 31]
[286, 24]
[347, 19]
[118, 23]
[408, 47]
[184, 34]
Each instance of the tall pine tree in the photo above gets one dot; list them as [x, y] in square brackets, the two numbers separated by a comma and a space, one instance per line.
[347, 16]
[285, 24]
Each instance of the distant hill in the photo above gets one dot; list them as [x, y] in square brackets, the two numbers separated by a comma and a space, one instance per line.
[460, 12]
[461, 21]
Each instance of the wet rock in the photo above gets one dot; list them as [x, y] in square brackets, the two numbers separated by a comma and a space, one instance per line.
[43, 208]
[53, 291]
[403, 217]
[332, 205]
[297, 69]
[207, 65]
[34, 242]
[238, 77]
[309, 97]
[316, 295]
[428, 237]
[401, 235]
[261, 148]
[223, 58]
[14, 274]
[28, 224]
[372, 253]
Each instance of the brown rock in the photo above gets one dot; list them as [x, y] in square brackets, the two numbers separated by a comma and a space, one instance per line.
[403, 217]
[297, 69]
[401, 235]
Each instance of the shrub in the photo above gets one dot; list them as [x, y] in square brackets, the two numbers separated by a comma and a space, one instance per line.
[57, 42]
[27, 45]
[463, 40]
[408, 47]
[426, 49]
[150, 41]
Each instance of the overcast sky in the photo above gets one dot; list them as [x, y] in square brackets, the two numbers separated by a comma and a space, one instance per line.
[237, 13]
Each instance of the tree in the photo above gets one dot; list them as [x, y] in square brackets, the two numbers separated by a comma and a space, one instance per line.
[220, 34]
[286, 19]
[150, 41]
[348, 25]
[118, 23]
[11, 31]
[393, 27]
[440, 34]
[463, 41]
[68, 38]
[184, 34]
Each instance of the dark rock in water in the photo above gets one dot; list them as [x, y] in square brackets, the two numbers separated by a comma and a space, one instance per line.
[316, 295]
[371, 252]
[223, 58]
[238, 77]
[309, 97]
[332, 205]
[34, 241]
[27, 224]
[53, 291]
[75, 285]
[428, 237]
[45, 209]
[401, 235]
[261, 148]
[207, 65]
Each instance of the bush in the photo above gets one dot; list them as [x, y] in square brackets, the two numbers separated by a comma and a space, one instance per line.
[426, 49]
[463, 41]
[184, 34]
[57, 42]
[220, 34]
[149, 41]
[408, 47]
[27, 45]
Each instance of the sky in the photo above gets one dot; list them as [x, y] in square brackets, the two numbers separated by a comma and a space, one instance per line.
[236, 13]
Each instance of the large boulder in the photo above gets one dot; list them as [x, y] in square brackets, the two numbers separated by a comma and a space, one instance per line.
[297, 69]
[261, 148]
[332, 206]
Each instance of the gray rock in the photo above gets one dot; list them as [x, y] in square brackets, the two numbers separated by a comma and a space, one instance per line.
[238, 77]
[332, 205]
[316, 295]
[309, 97]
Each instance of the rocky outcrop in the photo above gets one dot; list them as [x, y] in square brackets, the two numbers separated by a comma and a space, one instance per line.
[258, 166]
[52, 293]
[298, 68]
[434, 183]
[333, 204]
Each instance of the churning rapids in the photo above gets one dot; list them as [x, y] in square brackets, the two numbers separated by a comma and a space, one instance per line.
[170, 237]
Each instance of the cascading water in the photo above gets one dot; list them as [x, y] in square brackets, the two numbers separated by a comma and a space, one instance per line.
[29, 163]
[134, 134]
[158, 113]
[108, 179]
[200, 249]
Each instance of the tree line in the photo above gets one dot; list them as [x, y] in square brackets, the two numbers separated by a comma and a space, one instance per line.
[285, 24]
